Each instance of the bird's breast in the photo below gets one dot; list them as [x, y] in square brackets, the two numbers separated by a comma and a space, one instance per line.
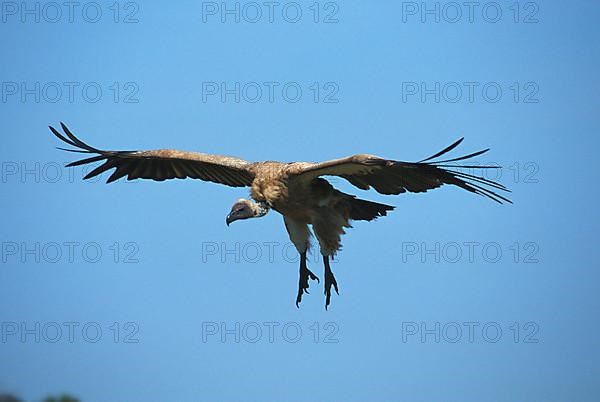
[270, 189]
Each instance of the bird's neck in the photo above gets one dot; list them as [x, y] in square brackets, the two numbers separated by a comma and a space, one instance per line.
[261, 208]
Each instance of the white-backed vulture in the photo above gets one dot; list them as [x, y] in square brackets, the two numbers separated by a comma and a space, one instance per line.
[296, 190]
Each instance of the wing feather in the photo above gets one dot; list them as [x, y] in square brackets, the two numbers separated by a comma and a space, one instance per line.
[395, 177]
[119, 172]
[109, 164]
[160, 164]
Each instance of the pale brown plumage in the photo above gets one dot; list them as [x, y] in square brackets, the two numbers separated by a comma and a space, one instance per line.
[296, 190]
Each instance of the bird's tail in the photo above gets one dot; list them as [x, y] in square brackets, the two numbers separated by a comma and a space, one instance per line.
[363, 210]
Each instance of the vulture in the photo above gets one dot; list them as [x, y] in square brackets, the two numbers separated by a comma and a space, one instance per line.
[297, 190]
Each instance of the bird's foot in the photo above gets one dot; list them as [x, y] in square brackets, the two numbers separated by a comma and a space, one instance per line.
[305, 275]
[329, 281]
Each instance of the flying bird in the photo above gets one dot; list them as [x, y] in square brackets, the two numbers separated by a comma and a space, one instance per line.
[296, 190]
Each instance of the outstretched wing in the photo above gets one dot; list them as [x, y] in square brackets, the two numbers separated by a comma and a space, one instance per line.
[395, 177]
[160, 164]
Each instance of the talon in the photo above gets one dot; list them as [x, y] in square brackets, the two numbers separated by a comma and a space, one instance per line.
[329, 282]
[305, 275]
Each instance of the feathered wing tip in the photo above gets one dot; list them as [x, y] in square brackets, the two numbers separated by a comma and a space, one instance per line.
[444, 151]
[73, 140]
[82, 147]
[470, 182]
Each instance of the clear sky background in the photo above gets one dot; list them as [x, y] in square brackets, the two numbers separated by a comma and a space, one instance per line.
[412, 284]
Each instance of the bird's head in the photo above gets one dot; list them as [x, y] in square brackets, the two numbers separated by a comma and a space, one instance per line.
[244, 209]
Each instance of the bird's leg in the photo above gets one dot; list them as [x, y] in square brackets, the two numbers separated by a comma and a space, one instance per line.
[329, 281]
[305, 274]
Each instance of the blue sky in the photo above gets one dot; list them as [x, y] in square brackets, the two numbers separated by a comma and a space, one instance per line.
[450, 297]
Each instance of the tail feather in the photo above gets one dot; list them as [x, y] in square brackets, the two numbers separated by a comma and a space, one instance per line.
[363, 210]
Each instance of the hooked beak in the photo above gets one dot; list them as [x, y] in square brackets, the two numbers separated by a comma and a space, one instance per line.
[229, 219]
